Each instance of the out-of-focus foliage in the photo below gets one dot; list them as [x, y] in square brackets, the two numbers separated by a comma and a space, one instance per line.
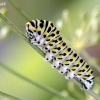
[3, 10]
[4, 29]
[79, 31]
[4, 98]
[88, 34]
[88, 31]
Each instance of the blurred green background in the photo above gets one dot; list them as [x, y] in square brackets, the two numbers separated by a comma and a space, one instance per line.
[17, 54]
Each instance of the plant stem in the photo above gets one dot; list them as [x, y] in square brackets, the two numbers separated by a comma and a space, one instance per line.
[42, 54]
[19, 10]
[9, 96]
[48, 89]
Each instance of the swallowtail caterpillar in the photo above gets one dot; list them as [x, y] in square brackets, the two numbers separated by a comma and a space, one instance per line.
[43, 33]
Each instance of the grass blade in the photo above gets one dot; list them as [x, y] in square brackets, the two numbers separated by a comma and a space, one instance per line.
[19, 10]
[9, 96]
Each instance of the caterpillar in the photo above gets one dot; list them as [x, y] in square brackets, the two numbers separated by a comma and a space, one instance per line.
[44, 34]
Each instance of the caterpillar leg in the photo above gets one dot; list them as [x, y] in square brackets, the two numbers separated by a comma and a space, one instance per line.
[63, 69]
[55, 63]
[70, 74]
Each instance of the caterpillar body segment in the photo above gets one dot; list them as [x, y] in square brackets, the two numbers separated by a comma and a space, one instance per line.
[52, 43]
[54, 51]
[63, 68]
[57, 60]
[54, 34]
[88, 75]
[87, 79]
[82, 71]
[44, 34]
[74, 68]
[66, 64]
[42, 28]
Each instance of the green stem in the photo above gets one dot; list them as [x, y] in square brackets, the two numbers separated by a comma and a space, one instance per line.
[48, 89]
[41, 53]
[9, 96]
[77, 93]
[91, 61]
[19, 10]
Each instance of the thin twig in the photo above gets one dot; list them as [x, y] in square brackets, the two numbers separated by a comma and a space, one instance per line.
[19, 10]
[9, 96]
[39, 51]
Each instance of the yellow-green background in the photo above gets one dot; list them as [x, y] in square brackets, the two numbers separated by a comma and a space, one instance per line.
[16, 53]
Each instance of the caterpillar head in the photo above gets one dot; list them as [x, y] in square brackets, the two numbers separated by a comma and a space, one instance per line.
[31, 31]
